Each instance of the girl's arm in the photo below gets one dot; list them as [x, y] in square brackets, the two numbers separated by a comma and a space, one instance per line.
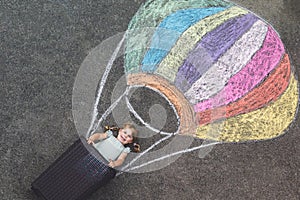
[95, 137]
[119, 161]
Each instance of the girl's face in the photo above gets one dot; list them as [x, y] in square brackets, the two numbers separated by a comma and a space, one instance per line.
[125, 136]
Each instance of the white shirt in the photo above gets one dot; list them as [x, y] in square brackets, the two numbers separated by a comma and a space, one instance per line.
[111, 148]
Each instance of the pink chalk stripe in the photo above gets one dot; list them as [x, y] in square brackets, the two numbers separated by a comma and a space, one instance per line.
[264, 61]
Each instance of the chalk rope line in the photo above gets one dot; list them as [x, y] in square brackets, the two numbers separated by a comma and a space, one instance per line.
[171, 155]
[93, 127]
[131, 109]
[144, 152]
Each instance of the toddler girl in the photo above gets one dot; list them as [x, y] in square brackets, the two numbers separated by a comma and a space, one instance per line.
[115, 143]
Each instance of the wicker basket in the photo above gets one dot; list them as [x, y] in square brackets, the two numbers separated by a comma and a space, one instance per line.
[75, 175]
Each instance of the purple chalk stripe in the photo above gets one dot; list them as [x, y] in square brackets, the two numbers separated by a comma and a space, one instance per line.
[262, 63]
[213, 45]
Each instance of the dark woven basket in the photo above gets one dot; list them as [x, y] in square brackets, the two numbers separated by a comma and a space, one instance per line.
[75, 175]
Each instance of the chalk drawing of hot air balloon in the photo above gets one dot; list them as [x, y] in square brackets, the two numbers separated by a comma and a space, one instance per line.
[219, 64]
[223, 69]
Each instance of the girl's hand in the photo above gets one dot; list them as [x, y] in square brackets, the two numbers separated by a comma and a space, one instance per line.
[111, 164]
[90, 141]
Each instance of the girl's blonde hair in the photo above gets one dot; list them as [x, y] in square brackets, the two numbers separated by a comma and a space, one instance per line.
[131, 127]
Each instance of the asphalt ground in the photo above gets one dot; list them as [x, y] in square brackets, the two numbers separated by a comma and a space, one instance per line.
[43, 44]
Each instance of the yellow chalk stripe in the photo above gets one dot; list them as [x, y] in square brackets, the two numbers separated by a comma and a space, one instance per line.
[265, 123]
[169, 66]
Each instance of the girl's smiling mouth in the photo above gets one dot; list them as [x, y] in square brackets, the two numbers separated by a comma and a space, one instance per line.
[123, 138]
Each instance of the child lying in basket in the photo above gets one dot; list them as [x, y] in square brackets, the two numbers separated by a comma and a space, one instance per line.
[115, 143]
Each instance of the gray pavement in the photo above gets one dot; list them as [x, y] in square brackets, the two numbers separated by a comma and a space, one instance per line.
[43, 44]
